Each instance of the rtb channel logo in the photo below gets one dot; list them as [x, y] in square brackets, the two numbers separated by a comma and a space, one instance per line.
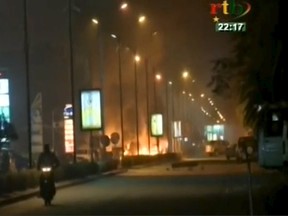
[229, 10]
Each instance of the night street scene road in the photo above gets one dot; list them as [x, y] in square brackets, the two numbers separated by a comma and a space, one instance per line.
[138, 107]
[218, 188]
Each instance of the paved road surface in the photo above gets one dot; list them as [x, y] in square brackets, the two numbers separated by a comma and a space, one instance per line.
[213, 189]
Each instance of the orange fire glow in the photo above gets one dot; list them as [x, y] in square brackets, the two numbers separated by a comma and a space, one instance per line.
[130, 146]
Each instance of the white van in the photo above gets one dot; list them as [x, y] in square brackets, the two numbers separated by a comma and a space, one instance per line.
[273, 139]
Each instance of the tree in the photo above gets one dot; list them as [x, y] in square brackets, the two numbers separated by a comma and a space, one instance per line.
[255, 72]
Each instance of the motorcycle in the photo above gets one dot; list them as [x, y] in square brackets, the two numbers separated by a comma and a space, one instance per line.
[47, 187]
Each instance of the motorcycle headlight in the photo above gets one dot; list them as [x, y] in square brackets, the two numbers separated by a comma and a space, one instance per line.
[46, 169]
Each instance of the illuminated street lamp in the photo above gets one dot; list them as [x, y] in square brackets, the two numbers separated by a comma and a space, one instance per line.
[141, 19]
[185, 74]
[137, 58]
[155, 33]
[158, 76]
[95, 21]
[202, 95]
[124, 6]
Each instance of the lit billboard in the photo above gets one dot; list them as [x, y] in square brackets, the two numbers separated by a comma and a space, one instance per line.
[68, 128]
[4, 99]
[177, 129]
[91, 109]
[214, 132]
[69, 135]
[157, 125]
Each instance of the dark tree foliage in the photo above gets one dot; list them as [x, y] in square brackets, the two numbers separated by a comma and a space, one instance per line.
[256, 70]
[7, 130]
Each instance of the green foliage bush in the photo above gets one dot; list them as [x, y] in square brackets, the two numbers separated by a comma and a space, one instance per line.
[78, 170]
[109, 165]
[25, 179]
[10, 182]
[17, 181]
[32, 178]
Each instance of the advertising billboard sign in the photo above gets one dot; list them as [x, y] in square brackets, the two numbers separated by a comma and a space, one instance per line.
[91, 109]
[177, 129]
[68, 128]
[157, 125]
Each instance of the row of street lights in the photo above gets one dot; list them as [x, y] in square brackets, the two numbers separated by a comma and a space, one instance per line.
[202, 96]
[141, 19]
[158, 77]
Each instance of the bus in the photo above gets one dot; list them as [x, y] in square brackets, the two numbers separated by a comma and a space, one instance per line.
[273, 138]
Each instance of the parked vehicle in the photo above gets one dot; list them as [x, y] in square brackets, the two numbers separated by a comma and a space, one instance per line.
[231, 151]
[238, 150]
[214, 148]
[273, 138]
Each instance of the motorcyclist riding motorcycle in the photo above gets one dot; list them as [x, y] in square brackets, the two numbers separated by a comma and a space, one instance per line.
[47, 159]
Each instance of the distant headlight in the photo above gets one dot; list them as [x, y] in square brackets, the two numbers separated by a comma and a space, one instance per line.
[208, 148]
[46, 169]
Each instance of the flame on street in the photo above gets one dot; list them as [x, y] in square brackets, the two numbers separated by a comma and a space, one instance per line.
[130, 146]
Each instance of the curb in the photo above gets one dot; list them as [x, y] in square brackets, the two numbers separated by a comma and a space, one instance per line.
[29, 193]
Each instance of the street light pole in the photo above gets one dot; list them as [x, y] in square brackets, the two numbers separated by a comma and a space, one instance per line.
[121, 99]
[147, 103]
[156, 107]
[72, 77]
[53, 126]
[27, 71]
[136, 103]
[167, 115]
[155, 95]
[172, 117]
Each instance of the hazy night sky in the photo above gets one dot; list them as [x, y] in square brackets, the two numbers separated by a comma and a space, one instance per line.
[186, 33]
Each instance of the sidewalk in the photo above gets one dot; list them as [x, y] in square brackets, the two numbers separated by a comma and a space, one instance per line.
[10, 198]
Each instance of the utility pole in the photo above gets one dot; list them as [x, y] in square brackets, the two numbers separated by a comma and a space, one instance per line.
[72, 79]
[147, 103]
[27, 70]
